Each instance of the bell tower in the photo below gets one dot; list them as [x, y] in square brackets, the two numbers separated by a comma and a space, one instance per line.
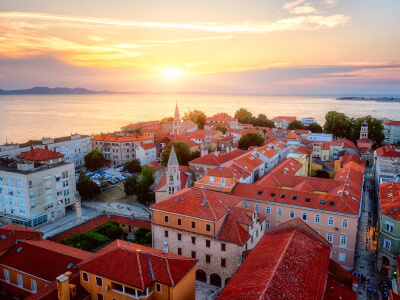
[364, 130]
[173, 174]
[176, 125]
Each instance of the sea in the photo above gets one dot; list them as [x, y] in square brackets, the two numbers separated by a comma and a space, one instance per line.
[25, 117]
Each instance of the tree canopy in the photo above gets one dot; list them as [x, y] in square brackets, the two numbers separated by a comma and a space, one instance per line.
[196, 116]
[130, 183]
[94, 159]
[133, 166]
[375, 130]
[243, 115]
[140, 186]
[338, 124]
[221, 128]
[296, 124]
[142, 236]
[251, 139]
[182, 150]
[262, 121]
[166, 119]
[314, 128]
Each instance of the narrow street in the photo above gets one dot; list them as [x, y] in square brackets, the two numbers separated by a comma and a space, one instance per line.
[366, 245]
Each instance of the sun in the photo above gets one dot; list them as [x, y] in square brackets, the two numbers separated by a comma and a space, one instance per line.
[172, 73]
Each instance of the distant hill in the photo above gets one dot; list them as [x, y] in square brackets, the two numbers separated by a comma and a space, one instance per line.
[39, 90]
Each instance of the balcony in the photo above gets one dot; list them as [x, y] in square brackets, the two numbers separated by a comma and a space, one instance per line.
[127, 291]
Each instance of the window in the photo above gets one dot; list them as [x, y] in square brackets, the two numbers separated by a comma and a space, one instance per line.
[180, 251]
[193, 254]
[179, 220]
[49, 197]
[166, 219]
[208, 259]
[304, 216]
[208, 227]
[387, 244]
[330, 221]
[291, 214]
[389, 226]
[245, 205]
[166, 233]
[9, 182]
[268, 210]
[280, 212]
[20, 280]
[267, 225]
[223, 247]
[179, 237]
[345, 223]
[223, 181]
[33, 286]
[3, 208]
[343, 240]
[85, 277]
[100, 296]
[193, 224]
[342, 256]
[21, 202]
[317, 219]
[223, 262]
[99, 281]
[208, 243]
[329, 237]
[6, 275]
[257, 207]
[211, 178]
[158, 288]
[193, 240]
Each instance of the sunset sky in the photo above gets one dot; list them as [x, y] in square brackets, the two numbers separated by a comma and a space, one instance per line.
[252, 46]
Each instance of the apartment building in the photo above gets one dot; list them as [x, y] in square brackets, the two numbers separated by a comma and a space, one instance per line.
[268, 155]
[117, 149]
[222, 119]
[33, 193]
[283, 121]
[74, 147]
[392, 132]
[307, 121]
[208, 226]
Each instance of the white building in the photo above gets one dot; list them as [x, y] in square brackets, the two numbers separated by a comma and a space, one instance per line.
[74, 147]
[392, 132]
[320, 137]
[307, 121]
[32, 194]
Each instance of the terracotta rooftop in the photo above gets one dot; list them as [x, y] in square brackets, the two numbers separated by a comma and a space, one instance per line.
[9, 234]
[393, 123]
[148, 146]
[266, 151]
[40, 154]
[216, 160]
[281, 118]
[199, 203]
[288, 166]
[302, 150]
[248, 162]
[287, 263]
[390, 199]
[138, 266]
[388, 151]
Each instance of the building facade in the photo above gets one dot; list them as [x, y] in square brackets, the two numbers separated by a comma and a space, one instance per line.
[392, 132]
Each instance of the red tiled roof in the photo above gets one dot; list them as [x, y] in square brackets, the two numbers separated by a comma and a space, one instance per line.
[183, 176]
[287, 263]
[393, 123]
[139, 268]
[121, 139]
[280, 118]
[364, 140]
[189, 202]
[60, 248]
[94, 223]
[148, 146]
[154, 164]
[388, 151]
[226, 138]
[266, 151]
[337, 290]
[9, 234]
[389, 199]
[40, 154]
[302, 131]
[349, 144]
[302, 150]
[292, 136]
[248, 162]
[288, 166]
[213, 160]
[393, 296]
[39, 260]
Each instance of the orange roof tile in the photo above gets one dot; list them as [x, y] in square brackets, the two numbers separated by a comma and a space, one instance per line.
[390, 199]
[148, 146]
[266, 150]
[11, 233]
[248, 162]
[40, 154]
[215, 160]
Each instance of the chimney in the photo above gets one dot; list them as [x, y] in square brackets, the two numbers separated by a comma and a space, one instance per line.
[63, 286]
[46, 147]
[165, 248]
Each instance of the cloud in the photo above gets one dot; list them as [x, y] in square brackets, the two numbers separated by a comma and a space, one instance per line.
[290, 5]
[305, 9]
[330, 2]
[96, 38]
[226, 37]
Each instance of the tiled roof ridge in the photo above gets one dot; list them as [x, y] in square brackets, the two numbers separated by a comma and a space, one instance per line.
[31, 242]
[278, 264]
[238, 233]
[139, 268]
[215, 217]
[169, 272]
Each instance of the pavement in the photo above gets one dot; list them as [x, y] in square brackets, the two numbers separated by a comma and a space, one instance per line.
[206, 291]
[68, 221]
[138, 211]
[366, 245]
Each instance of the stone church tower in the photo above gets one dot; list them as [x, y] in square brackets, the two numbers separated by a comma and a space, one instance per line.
[364, 130]
[173, 174]
[176, 125]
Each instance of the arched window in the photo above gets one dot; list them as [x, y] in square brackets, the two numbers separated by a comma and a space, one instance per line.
[257, 207]
[330, 221]
[291, 214]
[268, 210]
[171, 178]
[345, 223]
[245, 205]
[317, 218]
[280, 212]
[304, 216]
[389, 226]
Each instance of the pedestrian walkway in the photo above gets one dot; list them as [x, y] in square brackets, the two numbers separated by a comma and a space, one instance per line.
[366, 245]
[137, 211]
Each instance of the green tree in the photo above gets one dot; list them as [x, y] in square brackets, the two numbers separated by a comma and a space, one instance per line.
[88, 190]
[375, 130]
[133, 166]
[83, 178]
[251, 139]
[262, 121]
[166, 119]
[138, 131]
[94, 159]
[182, 150]
[243, 115]
[196, 116]
[142, 236]
[130, 185]
[143, 185]
[296, 124]
[338, 124]
[314, 128]
[322, 174]
[221, 128]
